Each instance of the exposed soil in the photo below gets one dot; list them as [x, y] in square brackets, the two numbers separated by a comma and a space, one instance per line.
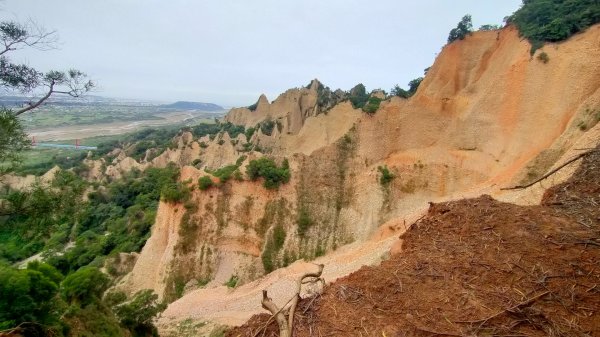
[475, 267]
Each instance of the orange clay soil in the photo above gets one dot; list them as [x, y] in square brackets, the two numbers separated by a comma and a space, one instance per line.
[474, 267]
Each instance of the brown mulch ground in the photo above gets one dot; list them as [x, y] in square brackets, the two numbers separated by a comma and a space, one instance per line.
[475, 267]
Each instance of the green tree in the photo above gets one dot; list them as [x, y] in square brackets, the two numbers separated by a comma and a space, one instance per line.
[398, 91]
[25, 79]
[413, 85]
[205, 183]
[372, 105]
[488, 27]
[386, 176]
[28, 295]
[13, 139]
[358, 96]
[137, 314]
[84, 286]
[464, 28]
[554, 20]
[266, 168]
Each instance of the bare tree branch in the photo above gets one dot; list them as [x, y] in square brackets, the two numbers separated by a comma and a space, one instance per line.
[74, 80]
[316, 276]
[267, 303]
[286, 326]
[15, 36]
[519, 187]
[36, 104]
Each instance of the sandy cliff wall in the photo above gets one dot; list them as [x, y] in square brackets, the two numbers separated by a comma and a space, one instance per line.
[487, 115]
[290, 109]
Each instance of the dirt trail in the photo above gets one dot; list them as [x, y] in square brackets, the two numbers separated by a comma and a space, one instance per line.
[475, 267]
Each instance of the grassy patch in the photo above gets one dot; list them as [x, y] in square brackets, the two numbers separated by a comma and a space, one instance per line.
[232, 282]
[386, 176]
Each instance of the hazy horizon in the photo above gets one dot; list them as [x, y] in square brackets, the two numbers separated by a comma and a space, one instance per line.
[230, 53]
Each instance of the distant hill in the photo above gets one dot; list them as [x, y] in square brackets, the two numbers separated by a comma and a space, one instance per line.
[193, 106]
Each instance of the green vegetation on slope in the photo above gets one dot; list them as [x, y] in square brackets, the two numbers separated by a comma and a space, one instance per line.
[413, 85]
[115, 218]
[464, 28]
[386, 176]
[40, 301]
[266, 168]
[76, 235]
[554, 20]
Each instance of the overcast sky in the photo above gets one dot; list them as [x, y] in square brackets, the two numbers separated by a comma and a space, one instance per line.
[230, 51]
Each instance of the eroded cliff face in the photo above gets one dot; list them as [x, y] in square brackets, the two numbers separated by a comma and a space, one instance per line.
[486, 116]
[289, 110]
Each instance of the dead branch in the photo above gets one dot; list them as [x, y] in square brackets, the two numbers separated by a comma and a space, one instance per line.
[268, 304]
[579, 156]
[286, 325]
[316, 276]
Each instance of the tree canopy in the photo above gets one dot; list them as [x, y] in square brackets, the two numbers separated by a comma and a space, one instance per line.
[267, 168]
[24, 79]
[413, 85]
[27, 295]
[554, 20]
[464, 28]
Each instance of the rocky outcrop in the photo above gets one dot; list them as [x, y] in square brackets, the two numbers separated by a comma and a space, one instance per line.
[15, 182]
[288, 111]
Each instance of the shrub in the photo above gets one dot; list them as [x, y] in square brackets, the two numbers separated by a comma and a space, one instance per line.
[358, 96]
[237, 175]
[554, 20]
[304, 221]
[398, 91]
[137, 314]
[232, 282]
[246, 147]
[225, 173]
[249, 133]
[205, 183]
[266, 168]
[413, 85]
[543, 57]
[386, 175]
[204, 129]
[278, 237]
[267, 126]
[253, 106]
[372, 105]
[175, 192]
[464, 28]
[240, 160]
[28, 295]
[85, 285]
[268, 256]
[489, 27]
[232, 129]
